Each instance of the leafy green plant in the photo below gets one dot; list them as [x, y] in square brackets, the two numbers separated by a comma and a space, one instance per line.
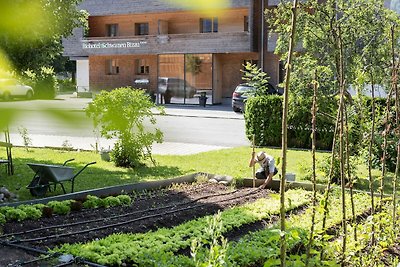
[125, 200]
[60, 207]
[111, 201]
[92, 202]
[25, 137]
[32, 212]
[121, 113]
[143, 249]
[216, 243]
[16, 214]
[3, 219]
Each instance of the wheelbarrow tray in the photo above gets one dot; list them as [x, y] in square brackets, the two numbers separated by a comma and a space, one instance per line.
[47, 175]
[52, 173]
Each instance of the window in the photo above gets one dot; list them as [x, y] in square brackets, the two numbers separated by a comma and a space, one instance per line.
[112, 30]
[209, 25]
[246, 23]
[142, 66]
[282, 72]
[112, 67]
[141, 28]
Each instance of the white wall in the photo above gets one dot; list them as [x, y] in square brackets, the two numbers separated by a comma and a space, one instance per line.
[82, 75]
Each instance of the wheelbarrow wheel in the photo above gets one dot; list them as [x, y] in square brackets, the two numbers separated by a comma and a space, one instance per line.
[37, 189]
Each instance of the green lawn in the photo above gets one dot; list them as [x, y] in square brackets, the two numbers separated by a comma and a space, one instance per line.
[233, 162]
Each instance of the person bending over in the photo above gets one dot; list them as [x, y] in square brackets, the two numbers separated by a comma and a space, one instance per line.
[267, 167]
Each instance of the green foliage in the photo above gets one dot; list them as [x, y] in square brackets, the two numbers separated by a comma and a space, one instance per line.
[125, 200]
[60, 207]
[2, 219]
[145, 248]
[111, 201]
[43, 82]
[121, 113]
[217, 244]
[263, 118]
[32, 30]
[92, 202]
[16, 215]
[66, 85]
[32, 212]
[254, 77]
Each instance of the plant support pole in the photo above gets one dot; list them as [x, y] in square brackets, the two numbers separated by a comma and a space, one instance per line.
[284, 133]
[313, 138]
[254, 164]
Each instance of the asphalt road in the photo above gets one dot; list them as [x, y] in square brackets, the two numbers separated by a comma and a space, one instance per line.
[217, 126]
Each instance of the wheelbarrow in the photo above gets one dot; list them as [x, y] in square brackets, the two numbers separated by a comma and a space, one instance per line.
[47, 176]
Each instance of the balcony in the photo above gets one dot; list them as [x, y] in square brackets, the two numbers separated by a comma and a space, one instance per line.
[161, 44]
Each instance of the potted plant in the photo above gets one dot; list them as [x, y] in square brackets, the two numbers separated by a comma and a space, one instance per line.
[105, 154]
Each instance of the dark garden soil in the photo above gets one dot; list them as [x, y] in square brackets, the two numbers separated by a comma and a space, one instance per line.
[164, 208]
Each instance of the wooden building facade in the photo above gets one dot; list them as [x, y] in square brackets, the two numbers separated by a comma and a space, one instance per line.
[165, 48]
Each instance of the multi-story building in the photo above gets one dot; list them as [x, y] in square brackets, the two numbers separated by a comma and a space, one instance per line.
[171, 51]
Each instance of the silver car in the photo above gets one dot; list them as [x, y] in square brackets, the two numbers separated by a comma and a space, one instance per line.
[10, 88]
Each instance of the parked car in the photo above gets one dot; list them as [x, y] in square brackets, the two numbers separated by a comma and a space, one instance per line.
[175, 87]
[242, 92]
[10, 88]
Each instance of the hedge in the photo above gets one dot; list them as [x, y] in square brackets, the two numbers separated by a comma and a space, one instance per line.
[263, 118]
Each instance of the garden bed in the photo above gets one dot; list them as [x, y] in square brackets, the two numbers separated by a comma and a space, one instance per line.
[149, 211]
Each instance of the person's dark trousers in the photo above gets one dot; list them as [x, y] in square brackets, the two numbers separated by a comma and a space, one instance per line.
[263, 174]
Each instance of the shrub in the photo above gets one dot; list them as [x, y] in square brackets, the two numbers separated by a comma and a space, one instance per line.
[43, 82]
[263, 118]
[120, 113]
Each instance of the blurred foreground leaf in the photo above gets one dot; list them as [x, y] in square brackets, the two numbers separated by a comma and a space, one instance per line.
[8, 115]
[207, 7]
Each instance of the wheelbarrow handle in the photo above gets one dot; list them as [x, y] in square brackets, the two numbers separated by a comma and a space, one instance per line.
[68, 161]
[81, 170]
[84, 167]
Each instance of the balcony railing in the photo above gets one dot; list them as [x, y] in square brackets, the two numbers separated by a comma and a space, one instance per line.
[161, 44]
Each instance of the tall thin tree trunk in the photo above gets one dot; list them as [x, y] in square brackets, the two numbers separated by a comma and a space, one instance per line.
[371, 178]
[313, 138]
[284, 133]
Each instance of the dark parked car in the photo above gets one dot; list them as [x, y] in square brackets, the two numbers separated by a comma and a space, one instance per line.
[242, 92]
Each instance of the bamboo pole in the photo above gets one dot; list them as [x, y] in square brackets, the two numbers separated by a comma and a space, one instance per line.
[341, 145]
[284, 133]
[371, 178]
[314, 182]
[252, 158]
[353, 210]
